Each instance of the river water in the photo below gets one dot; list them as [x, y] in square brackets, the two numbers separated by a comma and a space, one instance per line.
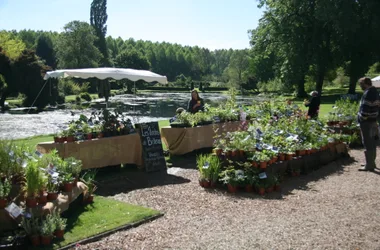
[144, 108]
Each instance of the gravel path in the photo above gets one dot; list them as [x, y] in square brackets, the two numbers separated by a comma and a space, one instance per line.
[336, 207]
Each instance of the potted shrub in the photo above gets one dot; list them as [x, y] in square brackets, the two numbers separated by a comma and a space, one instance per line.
[89, 179]
[60, 225]
[251, 179]
[260, 186]
[52, 189]
[215, 166]
[263, 158]
[31, 227]
[67, 180]
[32, 183]
[74, 167]
[47, 229]
[5, 189]
[230, 178]
[203, 164]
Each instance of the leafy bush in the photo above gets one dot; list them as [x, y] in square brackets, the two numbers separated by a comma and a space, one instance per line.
[85, 96]
[69, 87]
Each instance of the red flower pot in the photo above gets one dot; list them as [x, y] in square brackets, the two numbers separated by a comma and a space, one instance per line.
[42, 199]
[35, 240]
[231, 189]
[70, 138]
[67, 187]
[282, 157]
[269, 189]
[89, 136]
[31, 202]
[263, 164]
[261, 191]
[277, 188]
[45, 240]
[56, 139]
[59, 234]
[218, 151]
[206, 184]
[289, 157]
[254, 164]
[249, 188]
[52, 196]
[3, 203]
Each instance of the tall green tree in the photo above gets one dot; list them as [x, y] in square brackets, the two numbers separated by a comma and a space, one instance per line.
[98, 19]
[76, 48]
[45, 50]
[131, 59]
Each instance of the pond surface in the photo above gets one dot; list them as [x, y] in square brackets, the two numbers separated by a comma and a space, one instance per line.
[144, 108]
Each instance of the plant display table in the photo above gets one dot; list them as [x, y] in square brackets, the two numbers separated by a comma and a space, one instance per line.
[97, 153]
[180, 141]
[61, 203]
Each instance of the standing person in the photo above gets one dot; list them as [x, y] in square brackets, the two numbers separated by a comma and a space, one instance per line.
[196, 103]
[367, 118]
[313, 105]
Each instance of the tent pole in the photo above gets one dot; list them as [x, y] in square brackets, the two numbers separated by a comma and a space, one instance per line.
[134, 100]
[37, 96]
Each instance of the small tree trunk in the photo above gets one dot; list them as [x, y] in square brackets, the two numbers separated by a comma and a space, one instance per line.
[301, 88]
[353, 80]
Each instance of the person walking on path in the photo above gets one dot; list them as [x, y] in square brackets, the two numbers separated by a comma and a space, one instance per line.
[367, 119]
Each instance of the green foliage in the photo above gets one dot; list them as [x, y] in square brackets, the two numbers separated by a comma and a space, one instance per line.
[209, 167]
[98, 19]
[12, 46]
[89, 179]
[31, 225]
[75, 48]
[5, 188]
[48, 226]
[33, 177]
[85, 96]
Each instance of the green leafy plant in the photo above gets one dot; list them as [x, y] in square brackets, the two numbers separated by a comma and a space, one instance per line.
[33, 177]
[89, 179]
[5, 188]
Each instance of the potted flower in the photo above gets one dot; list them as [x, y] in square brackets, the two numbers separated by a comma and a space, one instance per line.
[251, 179]
[229, 177]
[31, 227]
[73, 166]
[5, 189]
[260, 186]
[67, 180]
[203, 164]
[89, 179]
[42, 196]
[60, 225]
[52, 189]
[263, 158]
[47, 229]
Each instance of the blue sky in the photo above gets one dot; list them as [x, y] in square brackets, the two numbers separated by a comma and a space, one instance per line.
[207, 23]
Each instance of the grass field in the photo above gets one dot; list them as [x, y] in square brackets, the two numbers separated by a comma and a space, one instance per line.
[101, 216]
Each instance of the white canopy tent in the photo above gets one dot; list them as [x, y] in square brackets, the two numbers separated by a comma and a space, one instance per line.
[103, 73]
[376, 82]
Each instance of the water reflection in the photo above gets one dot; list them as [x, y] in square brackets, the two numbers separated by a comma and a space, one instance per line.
[142, 108]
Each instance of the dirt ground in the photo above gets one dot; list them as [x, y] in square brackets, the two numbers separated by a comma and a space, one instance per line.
[335, 207]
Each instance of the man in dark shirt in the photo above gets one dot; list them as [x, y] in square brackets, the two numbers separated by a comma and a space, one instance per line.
[313, 105]
[367, 118]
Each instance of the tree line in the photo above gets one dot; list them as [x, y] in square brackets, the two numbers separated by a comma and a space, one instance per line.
[298, 41]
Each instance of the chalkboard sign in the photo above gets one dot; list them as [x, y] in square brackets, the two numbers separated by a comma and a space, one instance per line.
[153, 155]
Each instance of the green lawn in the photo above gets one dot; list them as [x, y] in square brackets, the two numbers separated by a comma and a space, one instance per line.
[101, 216]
